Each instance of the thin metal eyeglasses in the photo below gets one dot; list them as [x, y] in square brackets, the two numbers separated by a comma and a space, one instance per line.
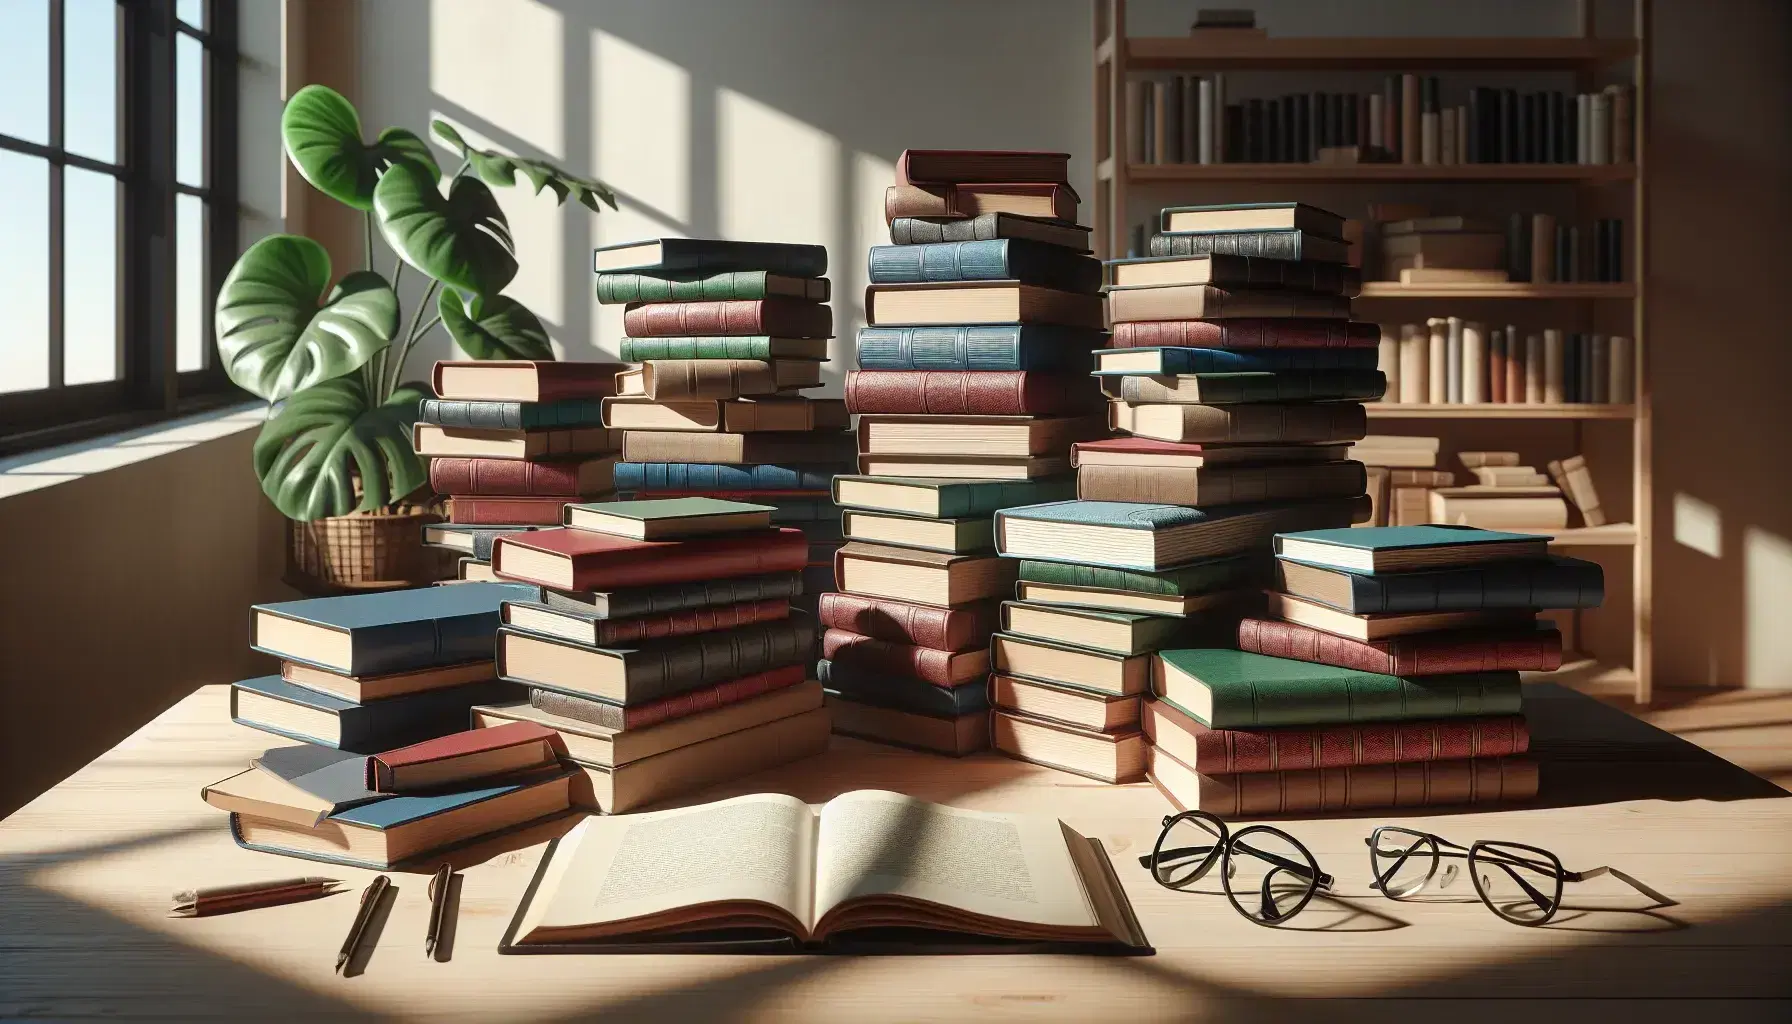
[1267, 874]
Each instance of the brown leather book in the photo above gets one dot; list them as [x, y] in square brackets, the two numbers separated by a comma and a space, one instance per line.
[569, 478]
[980, 302]
[786, 318]
[720, 379]
[955, 165]
[1360, 787]
[1228, 485]
[522, 380]
[739, 449]
[740, 416]
[1299, 748]
[1523, 648]
[1246, 333]
[489, 511]
[940, 668]
[969, 393]
[1266, 423]
[964, 201]
[946, 629]
[1206, 302]
[1117, 758]
[954, 737]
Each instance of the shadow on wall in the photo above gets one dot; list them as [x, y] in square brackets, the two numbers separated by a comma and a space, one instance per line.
[778, 120]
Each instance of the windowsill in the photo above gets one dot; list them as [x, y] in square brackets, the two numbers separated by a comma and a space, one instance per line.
[47, 467]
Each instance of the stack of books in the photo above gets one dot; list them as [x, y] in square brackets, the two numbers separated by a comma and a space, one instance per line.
[1505, 496]
[1386, 674]
[511, 442]
[727, 335]
[972, 385]
[661, 648]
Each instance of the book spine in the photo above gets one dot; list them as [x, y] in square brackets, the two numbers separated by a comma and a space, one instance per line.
[462, 476]
[1207, 487]
[1270, 244]
[1496, 366]
[704, 256]
[1415, 369]
[1621, 375]
[1232, 751]
[881, 690]
[400, 721]
[962, 347]
[1246, 333]
[1280, 386]
[1206, 132]
[996, 260]
[696, 478]
[684, 705]
[636, 602]
[946, 629]
[640, 350]
[737, 448]
[780, 317]
[722, 380]
[665, 670]
[1533, 369]
[733, 284]
[1553, 366]
[1561, 584]
[1409, 119]
[1437, 361]
[1355, 696]
[1387, 360]
[1474, 363]
[868, 654]
[1453, 354]
[616, 632]
[950, 393]
[493, 511]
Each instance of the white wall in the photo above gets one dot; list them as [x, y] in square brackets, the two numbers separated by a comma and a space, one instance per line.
[724, 118]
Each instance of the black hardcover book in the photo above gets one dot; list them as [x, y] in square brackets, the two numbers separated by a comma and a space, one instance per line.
[1305, 149]
[1527, 127]
[1571, 368]
[1334, 119]
[1570, 130]
[1428, 90]
[1585, 346]
[1253, 131]
[1577, 268]
[1518, 245]
[1291, 147]
[1474, 128]
[1509, 126]
[1552, 129]
[1348, 101]
[1492, 136]
[1614, 237]
[1599, 250]
[1313, 123]
[1563, 269]
[1234, 141]
[1390, 96]
[1272, 131]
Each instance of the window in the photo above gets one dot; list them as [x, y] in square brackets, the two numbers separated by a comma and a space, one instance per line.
[117, 190]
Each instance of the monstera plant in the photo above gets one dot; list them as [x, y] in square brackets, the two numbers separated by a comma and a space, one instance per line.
[330, 358]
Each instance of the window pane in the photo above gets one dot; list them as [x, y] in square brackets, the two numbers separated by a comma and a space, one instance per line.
[189, 110]
[25, 69]
[189, 283]
[90, 78]
[89, 276]
[191, 11]
[25, 269]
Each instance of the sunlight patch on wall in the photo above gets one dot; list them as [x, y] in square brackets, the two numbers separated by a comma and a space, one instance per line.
[641, 128]
[1767, 610]
[777, 178]
[1698, 525]
[504, 61]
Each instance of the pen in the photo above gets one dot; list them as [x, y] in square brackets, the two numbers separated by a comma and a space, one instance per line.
[225, 899]
[438, 908]
[370, 898]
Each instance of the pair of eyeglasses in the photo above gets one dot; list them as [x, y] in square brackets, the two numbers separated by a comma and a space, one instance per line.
[1266, 873]
[1521, 884]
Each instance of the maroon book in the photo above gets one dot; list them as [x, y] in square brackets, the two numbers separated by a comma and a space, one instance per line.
[1229, 751]
[946, 629]
[1524, 649]
[487, 511]
[955, 165]
[969, 392]
[462, 756]
[1246, 332]
[690, 621]
[783, 318]
[583, 560]
[566, 478]
[927, 664]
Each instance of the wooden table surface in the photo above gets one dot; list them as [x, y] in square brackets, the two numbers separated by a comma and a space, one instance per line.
[87, 869]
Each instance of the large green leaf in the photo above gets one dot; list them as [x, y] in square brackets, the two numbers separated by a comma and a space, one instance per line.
[497, 168]
[460, 239]
[325, 438]
[493, 327]
[273, 335]
[323, 138]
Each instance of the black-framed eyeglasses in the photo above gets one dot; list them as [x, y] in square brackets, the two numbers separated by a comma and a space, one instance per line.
[1521, 884]
[1266, 873]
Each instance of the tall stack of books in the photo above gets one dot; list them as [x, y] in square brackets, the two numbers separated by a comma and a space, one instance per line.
[1385, 674]
[1240, 380]
[727, 335]
[365, 673]
[511, 442]
[972, 385]
[661, 649]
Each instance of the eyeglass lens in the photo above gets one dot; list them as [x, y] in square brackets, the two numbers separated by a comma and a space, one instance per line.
[1519, 883]
[1269, 877]
[1187, 847]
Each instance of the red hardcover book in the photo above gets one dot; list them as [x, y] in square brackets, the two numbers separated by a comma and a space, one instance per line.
[945, 629]
[969, 393]
[523, 380]
[488, 511]
[1229, 751]
[783, 318]
[1525, 649]
[583, 560]
[973, 199]
[683, 705]
[461, 756]
[948, 166]
[750, 497]
[1249, 332]
[941, 668]
[567, 478]
[617, 632]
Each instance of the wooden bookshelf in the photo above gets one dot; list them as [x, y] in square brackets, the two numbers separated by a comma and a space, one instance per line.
[1606, 190]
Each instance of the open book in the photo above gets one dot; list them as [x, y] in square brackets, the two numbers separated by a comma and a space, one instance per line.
[872, 871]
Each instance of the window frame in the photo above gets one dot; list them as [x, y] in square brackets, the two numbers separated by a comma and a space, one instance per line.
[148, 386]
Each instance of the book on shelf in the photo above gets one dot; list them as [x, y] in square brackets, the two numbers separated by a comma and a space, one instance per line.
[904, 622]
[937, 667]
[474, 570]
[975, 467]
[973, 435]
[1360, 787]
[1258, 423]
[1246, 333]
[1170, 361]
[698, 765]
[568, 559]
[1576, 481]
[983, 227]
[1223, 484]
[1549, 582]
[519, 380]
[273, 705]
[956, 536]
[710, 255]
[926, 577]
[1235, 388]
[1117, 758]
[740, 346]
[583, 899]
[1049, 348]
[570, 478]
[863, 684]
[430, 439]
[980, 302]
[668, 518]
[1520, 648]
[1503, 508]
[481, 510]
[1145, 453]
[582, 626]
[1509, 476]
[565, 414]
[616, 287]
[968, 393]
[1002, 259]
[1071, 705]
[463, 757]
[953, 736]
[1134, 535]
[1381, 625]
[1408, 549]
[945, 499]
[686, 380]
[379, 633]
[777, 317]
[1056, 661]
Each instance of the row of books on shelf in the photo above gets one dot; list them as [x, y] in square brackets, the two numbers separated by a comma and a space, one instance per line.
[1187, 119]
[1452, 361]
[1475, 250]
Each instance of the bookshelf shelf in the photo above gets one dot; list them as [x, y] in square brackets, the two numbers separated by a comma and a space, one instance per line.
[1491, 411]
[1145, 174]
[1189, 53]
[1504, 290]
[1611, 535]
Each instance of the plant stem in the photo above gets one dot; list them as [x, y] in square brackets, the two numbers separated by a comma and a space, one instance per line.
[367, 228]
[410, 338]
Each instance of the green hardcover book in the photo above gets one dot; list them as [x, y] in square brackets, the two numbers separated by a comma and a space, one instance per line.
[748, 346]
[696, 287]
[1251, 386]
[1202, 577]
[1225, 689]
[663, 518]
[947, 499]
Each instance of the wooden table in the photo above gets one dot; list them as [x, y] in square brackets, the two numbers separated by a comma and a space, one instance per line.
[86, 871]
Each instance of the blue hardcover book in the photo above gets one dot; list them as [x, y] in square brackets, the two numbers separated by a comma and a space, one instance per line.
[903, 694]
[1554, 582]
[1139, 535]
[274, 705]
[395, 631]
[702, 476]
[567, 414]
[996, 259]
[798, 511]
[711, 255]
[401, 830]
[1041, 347]
[1172, 361]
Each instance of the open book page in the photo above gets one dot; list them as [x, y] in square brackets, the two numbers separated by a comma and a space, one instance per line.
[1005, 866]
[623, 868]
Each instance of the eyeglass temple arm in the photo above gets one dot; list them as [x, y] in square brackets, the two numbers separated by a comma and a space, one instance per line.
[1660, 899]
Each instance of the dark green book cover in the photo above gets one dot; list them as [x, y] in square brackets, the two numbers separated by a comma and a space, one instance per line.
[697, 287]
[1204, 577]
[745, 346]
[1257, 691]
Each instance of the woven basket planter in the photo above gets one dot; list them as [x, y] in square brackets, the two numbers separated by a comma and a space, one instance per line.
[370, 550]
